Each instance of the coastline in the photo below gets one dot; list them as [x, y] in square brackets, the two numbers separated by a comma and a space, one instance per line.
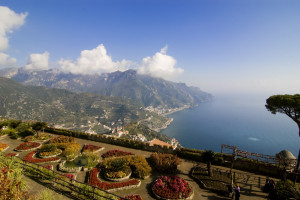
[171, 119]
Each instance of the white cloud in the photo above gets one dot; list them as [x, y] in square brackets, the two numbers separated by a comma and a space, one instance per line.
[93, 61]
[160, 65]
[38, 62]
[9, 21]
[6, 60]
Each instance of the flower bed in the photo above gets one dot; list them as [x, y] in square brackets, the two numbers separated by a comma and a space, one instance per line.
[11, 154]
[26, 146]
[49, 154]
[132, 197]
[3, 147]
[116, 153]
[90, 148]
[30, 158]
[172, 187]
[42, 136]
[118, 176]
[94, 180]
[61, 139]
[70, 177]
[138, 164]
[49, 167]
[62, 167]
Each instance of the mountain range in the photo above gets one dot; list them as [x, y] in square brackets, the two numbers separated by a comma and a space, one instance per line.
[85, 111]
[155, 94]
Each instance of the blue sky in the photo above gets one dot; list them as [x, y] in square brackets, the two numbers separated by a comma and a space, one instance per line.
[221, 46]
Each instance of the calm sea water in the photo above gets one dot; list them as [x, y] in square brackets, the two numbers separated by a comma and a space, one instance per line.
[240, 121]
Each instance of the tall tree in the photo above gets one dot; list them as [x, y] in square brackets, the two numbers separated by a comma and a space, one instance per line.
[286, 104]
[208, 156]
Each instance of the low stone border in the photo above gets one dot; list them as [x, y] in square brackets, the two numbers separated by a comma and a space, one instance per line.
[67, 169]
[52, 156]
[73, 158]
[29, 149]
[118, 179]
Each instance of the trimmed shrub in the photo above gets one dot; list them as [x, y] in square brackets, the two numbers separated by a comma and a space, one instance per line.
[165, 162]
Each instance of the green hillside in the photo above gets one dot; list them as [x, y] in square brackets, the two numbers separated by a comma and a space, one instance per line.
[84, 111]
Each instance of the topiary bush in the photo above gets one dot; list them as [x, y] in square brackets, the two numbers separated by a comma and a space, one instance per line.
[138, 164]
[165, 163]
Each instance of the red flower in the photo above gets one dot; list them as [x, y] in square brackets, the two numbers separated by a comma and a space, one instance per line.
[94, 180]
[29, 157]
[27, 145]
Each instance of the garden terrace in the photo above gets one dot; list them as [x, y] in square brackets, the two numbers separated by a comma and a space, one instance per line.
[144, 191]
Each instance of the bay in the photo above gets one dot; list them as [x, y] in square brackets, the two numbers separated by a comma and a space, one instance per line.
[242, 121]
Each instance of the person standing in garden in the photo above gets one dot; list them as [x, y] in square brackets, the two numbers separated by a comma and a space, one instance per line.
[237, 191]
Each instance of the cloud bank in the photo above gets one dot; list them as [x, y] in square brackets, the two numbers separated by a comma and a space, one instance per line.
[160, 65]
[98, 61]
[9, 21]
[94, 61]
[38, 62]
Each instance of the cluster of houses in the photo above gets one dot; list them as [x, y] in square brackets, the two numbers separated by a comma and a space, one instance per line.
[140, 137]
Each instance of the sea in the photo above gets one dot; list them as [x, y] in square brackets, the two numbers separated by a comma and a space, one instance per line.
[237, 120]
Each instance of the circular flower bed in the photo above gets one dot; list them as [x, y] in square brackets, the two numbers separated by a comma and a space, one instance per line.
[49, 154]
[172, 187]
[26, 146]
[31, 158]
[118, 176]
[111, 187]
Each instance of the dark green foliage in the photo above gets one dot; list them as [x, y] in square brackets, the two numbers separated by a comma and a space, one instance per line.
[37, 126]
[24, 129]
[13, 123]
[208, 156]
[165, 163]
[286, 104]
[48, 148]
[284, 189]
